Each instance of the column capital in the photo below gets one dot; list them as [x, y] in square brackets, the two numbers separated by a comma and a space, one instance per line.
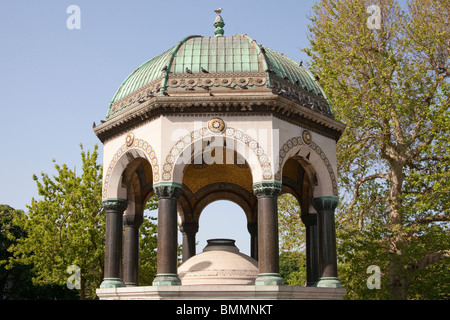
[252, 228]
[325, 203]
[164, 190]
[189, 227]
[267, 189]
[115, 204]
[132, 220]
[309, 219]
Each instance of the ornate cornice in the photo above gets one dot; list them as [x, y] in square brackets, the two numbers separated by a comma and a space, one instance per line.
[267, 189]
[263, 101]
[198, 82]
[296, 93]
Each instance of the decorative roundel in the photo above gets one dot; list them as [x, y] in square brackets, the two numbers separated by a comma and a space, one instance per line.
[216, 125]
[307, 138]
[129, 139]
[226, 82]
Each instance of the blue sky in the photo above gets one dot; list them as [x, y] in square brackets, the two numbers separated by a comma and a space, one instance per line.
[55, 82]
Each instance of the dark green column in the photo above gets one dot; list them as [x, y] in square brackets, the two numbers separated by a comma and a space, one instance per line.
[166, 268]
[188, 230]
[268, 254]
[113, 243]
[253, 230]
[312, 249]
[131, 223]
[325, 207]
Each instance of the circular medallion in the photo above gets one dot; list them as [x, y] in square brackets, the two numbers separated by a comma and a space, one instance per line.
[129, 139]
[307, 138]
[216, 125]
[260, 81]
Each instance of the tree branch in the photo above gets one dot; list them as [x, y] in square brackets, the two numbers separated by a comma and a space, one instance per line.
[413, 154]
[361, 212]
[434, 158]
[425, 220]
[361, 181]
[431, 258]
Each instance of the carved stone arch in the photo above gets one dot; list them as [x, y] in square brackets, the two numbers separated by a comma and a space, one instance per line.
[257, 159]
[313, 159]
[246, 201]
[286, 189]
[138, 179]
[243, 199]
[132, 149]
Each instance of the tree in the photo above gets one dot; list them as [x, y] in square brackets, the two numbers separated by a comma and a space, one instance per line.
[290, 225]
[148, 243]
[390, 86]
[292, 241]
[8, 277]
[65, 227]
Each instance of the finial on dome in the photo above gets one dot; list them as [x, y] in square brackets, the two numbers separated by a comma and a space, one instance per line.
[219, 24]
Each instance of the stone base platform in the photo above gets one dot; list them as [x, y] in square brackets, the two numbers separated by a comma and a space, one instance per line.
[221, 292]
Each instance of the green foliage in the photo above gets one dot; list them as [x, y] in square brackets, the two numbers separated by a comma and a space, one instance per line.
[9, 231]
[148, 245]
[290, 226]
[292, 241]
[357, 250]
[16, 281]
[293, 268]
[64, 227]
[390, 86]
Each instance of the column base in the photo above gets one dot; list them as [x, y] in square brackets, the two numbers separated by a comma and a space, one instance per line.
[311, 284]
[166, 279]
[131, 284]
[329, 282]
[269, 279]
[112, 283]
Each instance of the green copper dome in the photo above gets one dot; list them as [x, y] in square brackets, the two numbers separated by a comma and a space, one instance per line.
[226, 57]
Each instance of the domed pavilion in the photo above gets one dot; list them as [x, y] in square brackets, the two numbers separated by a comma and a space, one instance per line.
[218, 118]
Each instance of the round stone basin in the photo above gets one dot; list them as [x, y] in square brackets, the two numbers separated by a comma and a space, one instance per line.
[220, 263]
